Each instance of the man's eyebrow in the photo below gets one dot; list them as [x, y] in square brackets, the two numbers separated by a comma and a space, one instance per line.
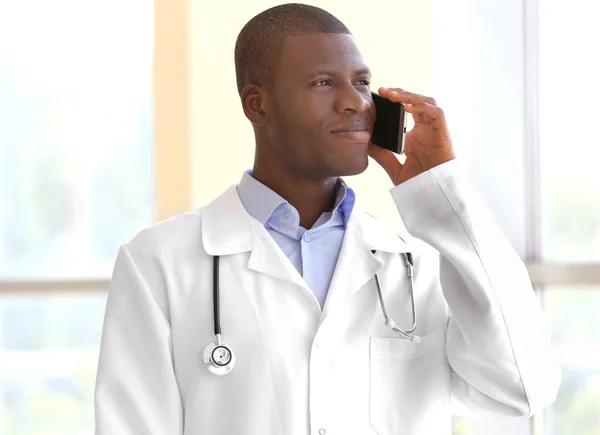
[359, 72]
[362, 71]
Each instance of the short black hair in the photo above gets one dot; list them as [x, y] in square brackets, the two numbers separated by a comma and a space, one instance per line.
[258, 46]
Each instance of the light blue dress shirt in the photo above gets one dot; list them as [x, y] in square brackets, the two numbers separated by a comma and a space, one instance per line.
[313, 252]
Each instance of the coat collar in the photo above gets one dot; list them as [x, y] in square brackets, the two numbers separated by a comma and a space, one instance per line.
[226, 225]
[227, 228]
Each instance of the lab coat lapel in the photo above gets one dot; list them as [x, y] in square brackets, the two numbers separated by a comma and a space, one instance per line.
[227, 229]
[356, 263]
[268, 258]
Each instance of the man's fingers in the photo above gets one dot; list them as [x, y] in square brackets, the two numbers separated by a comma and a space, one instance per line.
[431, 114]
[398, 95]
[418, 118]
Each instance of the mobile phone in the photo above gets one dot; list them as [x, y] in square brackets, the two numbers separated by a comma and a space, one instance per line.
[389, 129]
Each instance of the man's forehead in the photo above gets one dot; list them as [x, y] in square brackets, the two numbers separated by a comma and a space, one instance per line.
[314, 53]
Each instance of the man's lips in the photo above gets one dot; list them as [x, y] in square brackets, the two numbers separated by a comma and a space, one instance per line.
[355, 135]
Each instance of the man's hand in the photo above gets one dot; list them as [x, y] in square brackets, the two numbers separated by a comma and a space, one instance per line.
[427, 145]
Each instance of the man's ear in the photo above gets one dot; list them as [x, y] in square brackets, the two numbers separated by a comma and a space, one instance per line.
[254, 102]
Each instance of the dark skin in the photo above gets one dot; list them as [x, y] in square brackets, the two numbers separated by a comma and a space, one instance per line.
[301, 123]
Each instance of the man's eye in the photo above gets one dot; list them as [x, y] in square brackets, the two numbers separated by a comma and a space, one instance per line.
[364, 82]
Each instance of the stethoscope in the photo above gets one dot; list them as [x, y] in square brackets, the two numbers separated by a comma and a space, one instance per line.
[219, 359]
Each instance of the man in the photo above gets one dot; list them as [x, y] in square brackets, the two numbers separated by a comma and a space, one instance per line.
[304, 275]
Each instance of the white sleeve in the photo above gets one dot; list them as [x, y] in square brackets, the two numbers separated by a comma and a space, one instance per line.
[497, 342]
[136, 390]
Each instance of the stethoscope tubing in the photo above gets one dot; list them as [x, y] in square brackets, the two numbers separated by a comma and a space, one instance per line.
[216, 297]
[390, 322]
[218, 368]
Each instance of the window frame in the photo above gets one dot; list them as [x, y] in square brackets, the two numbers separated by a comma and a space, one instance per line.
[542, 273]
[171, 147]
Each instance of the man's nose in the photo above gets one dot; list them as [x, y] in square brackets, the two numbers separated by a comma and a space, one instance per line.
[351, 98]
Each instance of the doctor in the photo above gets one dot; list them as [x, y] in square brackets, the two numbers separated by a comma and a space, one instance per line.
[306, 280]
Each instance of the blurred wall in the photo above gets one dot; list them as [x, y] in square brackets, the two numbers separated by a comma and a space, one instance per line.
[171, 107]
[395, 38]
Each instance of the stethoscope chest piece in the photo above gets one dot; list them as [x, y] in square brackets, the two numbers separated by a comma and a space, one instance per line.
[218, 358]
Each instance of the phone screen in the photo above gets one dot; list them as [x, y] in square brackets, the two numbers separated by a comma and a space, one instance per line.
[390, 124]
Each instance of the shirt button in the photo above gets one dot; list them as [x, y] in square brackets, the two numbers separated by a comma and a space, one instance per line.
[287, 215]
[306, 238]
[322, 431]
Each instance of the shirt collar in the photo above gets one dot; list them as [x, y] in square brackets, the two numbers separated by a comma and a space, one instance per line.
[266, 206]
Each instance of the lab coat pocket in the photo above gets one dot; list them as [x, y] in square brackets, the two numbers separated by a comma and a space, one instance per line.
[403, 377]
[400, 348]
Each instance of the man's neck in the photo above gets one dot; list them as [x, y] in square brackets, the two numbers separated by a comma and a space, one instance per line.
[310, 197]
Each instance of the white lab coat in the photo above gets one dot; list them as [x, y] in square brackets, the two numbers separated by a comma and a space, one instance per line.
[301, 371]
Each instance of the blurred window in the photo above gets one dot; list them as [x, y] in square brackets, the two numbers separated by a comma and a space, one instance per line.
[76, 182]
[573, 312]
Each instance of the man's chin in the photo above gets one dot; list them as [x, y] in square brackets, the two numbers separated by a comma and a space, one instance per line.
[357, 167]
